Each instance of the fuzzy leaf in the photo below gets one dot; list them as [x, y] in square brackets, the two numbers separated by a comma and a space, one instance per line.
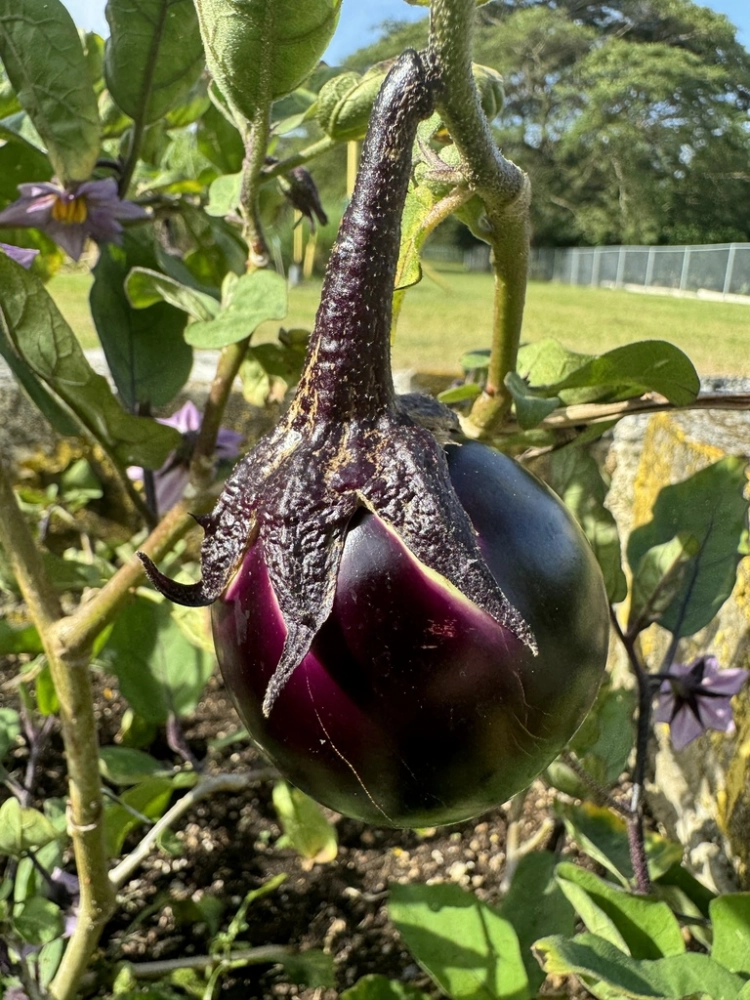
[42, 53]
[711, 507]
[678, 977]
[146, 287]
[239, 37]
[153, 56]
[647, 928]
[145, 348]
[730, 917]
[43, 345]
[255, 298]
[470, 951]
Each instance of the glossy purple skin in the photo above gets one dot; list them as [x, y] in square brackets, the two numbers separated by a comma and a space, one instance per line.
[414, 707]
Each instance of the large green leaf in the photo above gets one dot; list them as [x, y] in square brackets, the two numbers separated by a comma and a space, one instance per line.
[657, 579]
[603, 835]
[145, 288]
[709, 506]
[470, 951]
[647, 928]
[730, 916]
[552, 371]
[536, 906]
[577, 479]
[145, 801]
[42, 53]
[145, 348]
[678, 977]
[153, 55]
[20, 162]
[22, 829]
[241, 37]
[159, 669]
[41, 344]
[252, 299]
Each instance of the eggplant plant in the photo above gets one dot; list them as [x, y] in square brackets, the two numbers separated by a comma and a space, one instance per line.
[412, 626]
[411, 636]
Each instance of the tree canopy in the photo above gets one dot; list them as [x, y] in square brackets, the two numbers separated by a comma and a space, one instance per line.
[631, 117]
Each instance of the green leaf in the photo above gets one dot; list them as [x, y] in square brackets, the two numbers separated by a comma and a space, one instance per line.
[42, 53]
[464, 945]
[145, 348]
[547, 362]
[46, 695]
[126, 765]
[577, 479]
[305, 824]
[10, 729]
[312, 968]
[160, 671]
[677, 977]
[41, 342]
[145, 287]
[605, 740]
[19, 640]
[709, 506]
[531, 409]
[631, 370]
[255, 298]
[536, 906]
[241, 38]
[148, 800]
[730, 916]
[20, 163]
[220, 142]
[344, 105]
[460, 393]
[153, 56]
[646, 927]
[381, 988]
[475, 361]
[224, 195]
[38, 921]
[658, 578]
[602, 835]
[23, 830]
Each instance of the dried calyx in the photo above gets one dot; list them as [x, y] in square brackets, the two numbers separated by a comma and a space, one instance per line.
[346, 442]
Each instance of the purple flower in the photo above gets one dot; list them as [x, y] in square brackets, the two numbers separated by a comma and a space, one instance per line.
[69, 217]
[697, 696]
[172, 478]
[21, 255]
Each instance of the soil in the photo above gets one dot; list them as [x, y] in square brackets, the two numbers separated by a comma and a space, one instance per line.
[228, 847]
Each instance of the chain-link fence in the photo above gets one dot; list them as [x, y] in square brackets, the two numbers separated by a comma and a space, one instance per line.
[721, 269]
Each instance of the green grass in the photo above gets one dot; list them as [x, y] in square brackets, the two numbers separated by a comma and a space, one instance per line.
[441, 321]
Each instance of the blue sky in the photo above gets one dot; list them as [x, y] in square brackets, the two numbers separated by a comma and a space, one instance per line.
[360, 20]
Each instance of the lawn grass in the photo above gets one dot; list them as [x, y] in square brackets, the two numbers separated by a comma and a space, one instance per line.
[440, 321]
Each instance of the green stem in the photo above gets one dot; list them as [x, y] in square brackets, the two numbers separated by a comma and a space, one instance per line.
[502, 186]
[256, 134]
[303, 156]
[72, 680]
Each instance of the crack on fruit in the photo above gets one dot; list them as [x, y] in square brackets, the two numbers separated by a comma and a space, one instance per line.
[345, 759]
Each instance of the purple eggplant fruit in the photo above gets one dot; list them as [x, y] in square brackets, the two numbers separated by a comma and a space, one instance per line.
[410, 632]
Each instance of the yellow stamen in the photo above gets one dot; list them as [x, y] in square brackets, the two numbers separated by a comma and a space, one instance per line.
[72, 211]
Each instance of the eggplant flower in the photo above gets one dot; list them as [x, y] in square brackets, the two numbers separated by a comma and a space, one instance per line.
[698, 696]
[172, 478]
[91, 209]
[21, 255]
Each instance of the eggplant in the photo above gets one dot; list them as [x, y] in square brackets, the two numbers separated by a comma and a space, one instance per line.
[410, 630]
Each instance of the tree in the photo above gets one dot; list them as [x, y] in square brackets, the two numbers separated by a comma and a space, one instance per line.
[630, 117]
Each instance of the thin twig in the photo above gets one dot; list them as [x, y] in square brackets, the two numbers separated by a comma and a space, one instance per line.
[204, 788]
[267, 953]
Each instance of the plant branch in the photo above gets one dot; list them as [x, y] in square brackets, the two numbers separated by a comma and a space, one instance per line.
[205, 787]
[636, 839]
[592, 413]
[72, 680]
[263, 954]
[502, 186]
[297, 159]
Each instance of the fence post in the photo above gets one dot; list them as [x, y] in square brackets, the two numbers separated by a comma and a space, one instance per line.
[685, 268]
[575, 263]
[595, 266]
[620, 267]
[729, 270]
[649, 268]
